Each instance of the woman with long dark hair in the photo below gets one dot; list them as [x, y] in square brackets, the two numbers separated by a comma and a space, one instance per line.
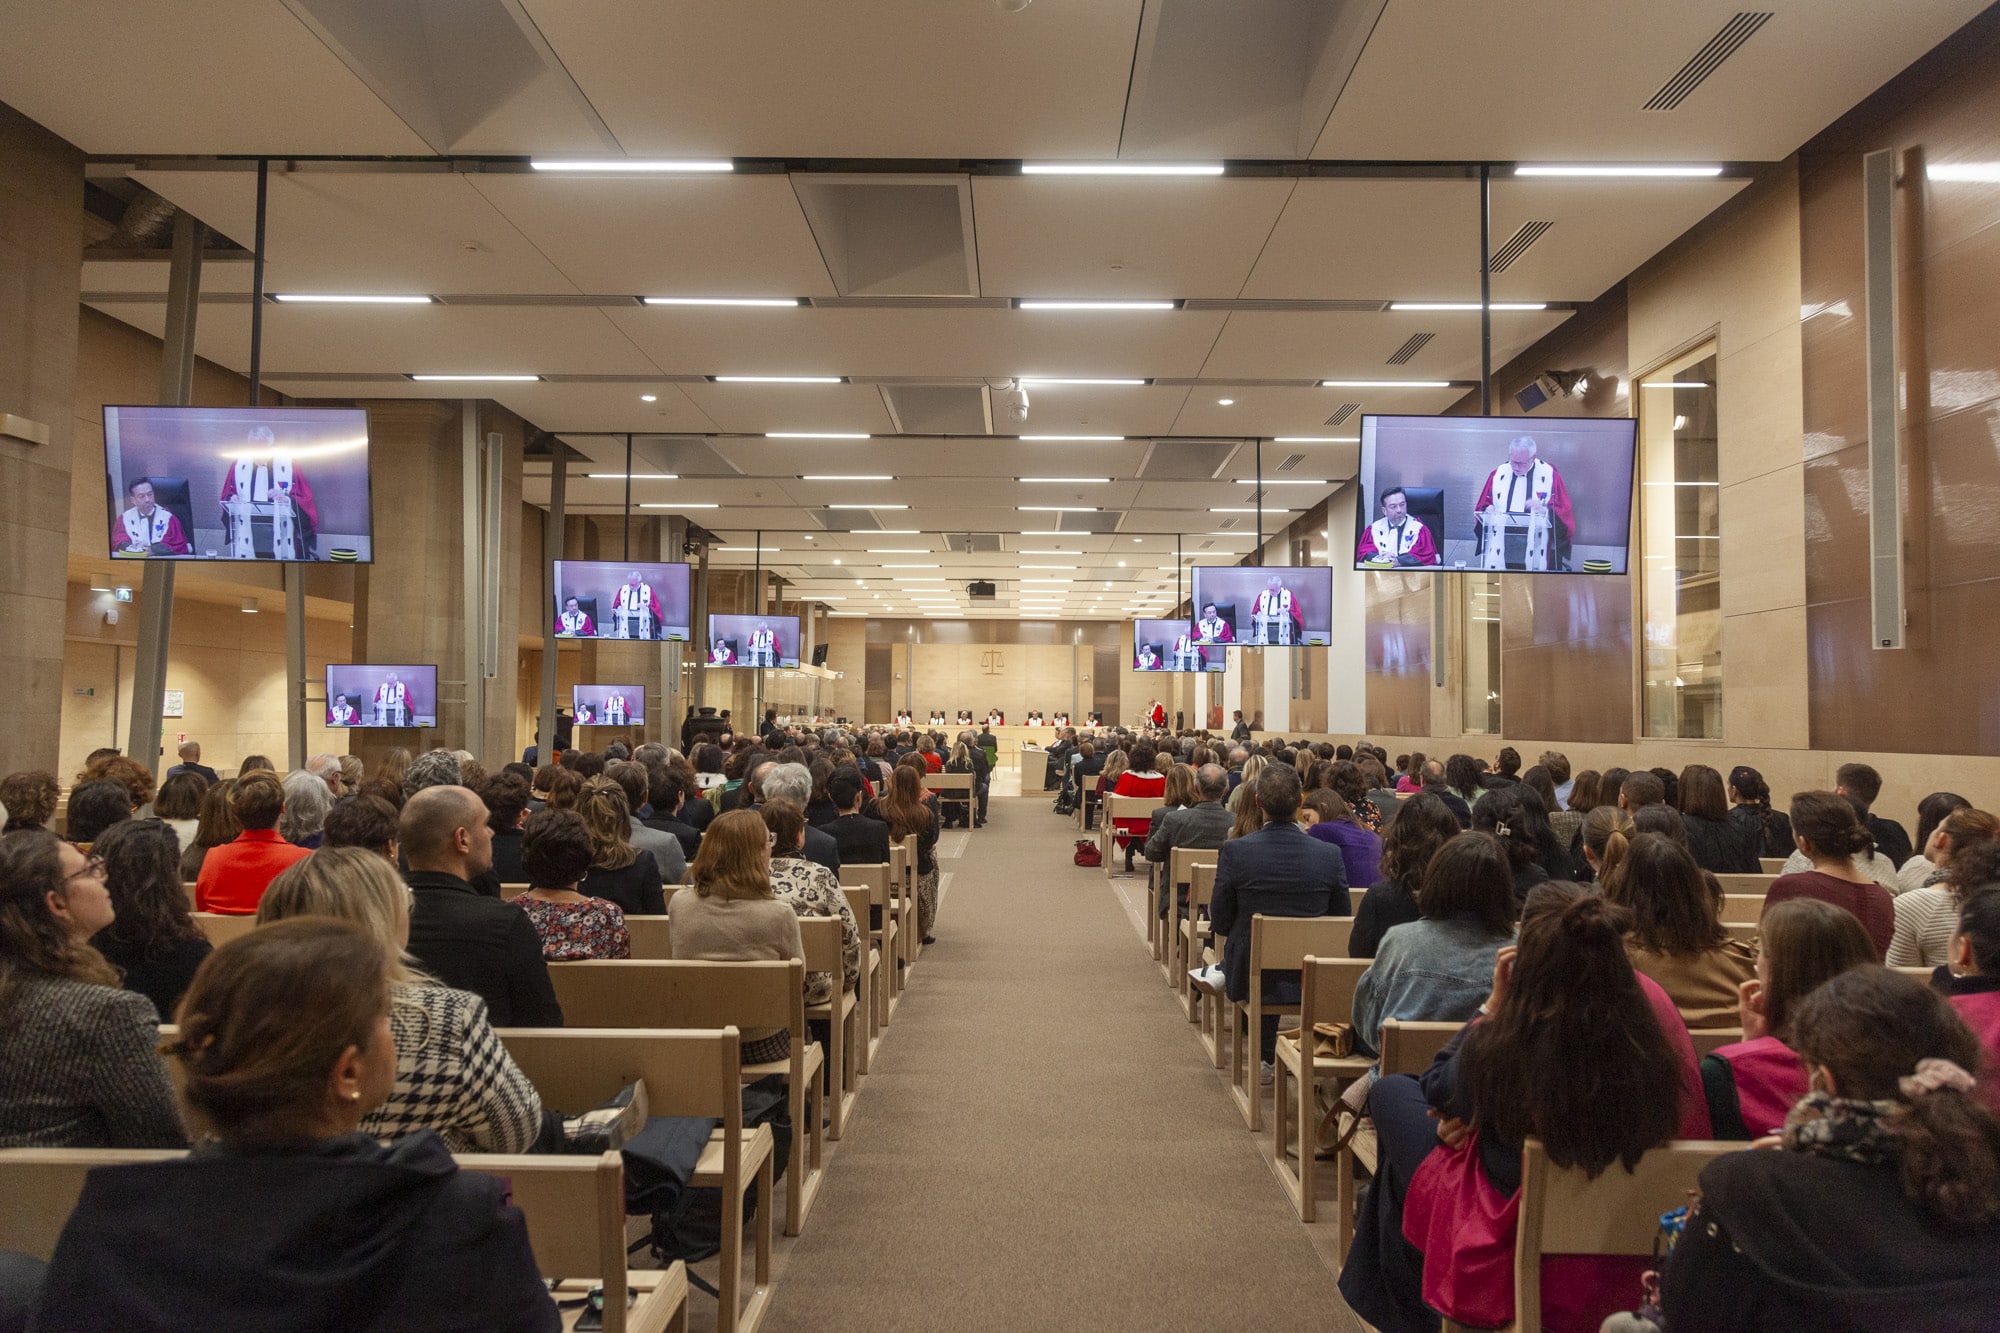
[1831, 836]
[1513, 815]
[153, 939]
[903, 808]
[1717, 844]
[1423, 825]
[1677, 937]
[1767, 832]
[1922, 868]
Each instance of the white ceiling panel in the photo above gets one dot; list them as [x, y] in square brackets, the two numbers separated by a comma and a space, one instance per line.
[1603, 230]
[243, 76]
[705, 236]
[1559, 81]
[930, 458]
[605, 407]
[894, 78]
[369, 232]
[1301, 412]
[1310, 345]
[1409, 240]
[1055, 236]
[144, 275]
[793, 407]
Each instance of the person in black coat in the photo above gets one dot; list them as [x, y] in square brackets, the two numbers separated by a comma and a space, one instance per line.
[506, 798]
[859, 839]
[293, 1219]
[460, 936]
[668, 793]
[1276, 871]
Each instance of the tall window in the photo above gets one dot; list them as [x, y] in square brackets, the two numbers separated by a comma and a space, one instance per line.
[1482, 651]
[1681, 579]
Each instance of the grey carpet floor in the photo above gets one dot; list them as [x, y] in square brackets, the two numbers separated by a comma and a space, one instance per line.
[1042, 1143]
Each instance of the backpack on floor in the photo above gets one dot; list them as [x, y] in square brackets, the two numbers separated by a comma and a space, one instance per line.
[687, 1220]
[1088, 853]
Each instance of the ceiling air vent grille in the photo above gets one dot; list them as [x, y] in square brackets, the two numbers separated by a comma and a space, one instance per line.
[1291, 461]
[1417, 342]
[1706, 61]
[1517, 245]
[1345, 411]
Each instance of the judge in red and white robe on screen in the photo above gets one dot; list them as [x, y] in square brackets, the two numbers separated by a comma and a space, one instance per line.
[1213, 628]
[764, 648]
[721, 654]
[1396, 536]
[1188, 657]
[392, 698]
[1527, 485]
[637, 607]
[575, 622]
[265, 475]
[144, 526]
[614, 710]
[1275, 604]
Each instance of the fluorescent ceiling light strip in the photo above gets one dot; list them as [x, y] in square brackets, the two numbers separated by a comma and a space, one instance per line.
[766, 550]
[637, 166]
[1056, 509]
[1316, 439]
[864, 506]
[912, 566]
[1280, 481]
[778, 379]
[1076, 553]
[1268, 509]
[330, 298]
[1052, 568]
[1979, 173]
[759, 301]
[890, 532]
[813, 435]
[1466, 305]
[1116, 383]
[1048, 580]
[477, 379]
[1385, 384]
[678, 506]
[1121, 168]
[635, 476]
[1067, 481]
[1675, 384]
[844, 476]
[1641, 170]
[899, 550]
[1027, 304]
[1070, 439]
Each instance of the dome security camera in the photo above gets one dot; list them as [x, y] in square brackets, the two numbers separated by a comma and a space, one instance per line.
[1017, 404]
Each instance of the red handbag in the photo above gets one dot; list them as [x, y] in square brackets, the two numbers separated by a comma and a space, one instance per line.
[1465, 1228]
[1088, 853]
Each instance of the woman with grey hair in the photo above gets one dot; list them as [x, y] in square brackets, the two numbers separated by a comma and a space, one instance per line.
[307, 801]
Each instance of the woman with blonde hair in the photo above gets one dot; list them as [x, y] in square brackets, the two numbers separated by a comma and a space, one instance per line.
[452, 1073]
[389, 768]
[906, 812]
[619, 873]
[352, 774]
[727, 913]
[1252, 766]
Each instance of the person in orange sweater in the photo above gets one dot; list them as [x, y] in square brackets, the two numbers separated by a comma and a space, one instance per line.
[235, 875]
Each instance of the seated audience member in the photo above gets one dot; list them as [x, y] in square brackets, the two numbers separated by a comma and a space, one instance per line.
[352, 774]
[860, 840]
[366, 821]
[1607, 834]
[1433, 782]
[505, 797]
[1584, 793]
[665, 847]
[152, 940]
[955, 810]
[728, 914]
[1965, 850]
[1438, 968]
[1563, 1002]
[1564, 825]
[793, 782]
[178, 806]
[1463, 775]
[1203, 823]
[1349, 781]
[1869, 859]
[564, 789]
[1768, 832]
[1920, 869]
[307, 802]
[390, 767]
[190, 762]
[1970, 979]
[1862, 783]
[1881, 1208]
[29, 799]
[1523, 834]
[295, 1216]
[1556, 764]
[234, 876]
[1677, 938]
[452, 1073]
[1177, 795]
[215, 826]
[619, 873]
[1276, 871]
[1409, 774]
[257, 763]
[77, 1061]
[1419, 829]
[1639, 790]
[668, 788]
[1830, 836]
[94, 807]
[1246, 775]
[1717, 844]
[1751, 1084]
[1140, 779]
[820, 810]
[1334, 822]
[811, 890]
[556, 852]
[133, 776]
[432, 768]
[908, 813]
[457, 934]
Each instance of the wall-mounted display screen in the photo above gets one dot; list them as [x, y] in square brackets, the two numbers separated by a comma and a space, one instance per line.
[238, 483]
[1525, 495]
[613, 599]
[1273, 606]
[1172, 645]
[609, 705]
[753, 641]
[381, 696]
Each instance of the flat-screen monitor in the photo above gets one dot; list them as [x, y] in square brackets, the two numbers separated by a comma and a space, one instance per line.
[1273, 606]
[1524, 495]
[1171, 645]
[621, 599]
[609, 705]
[381, 696]
[238, 483]
[753, 641]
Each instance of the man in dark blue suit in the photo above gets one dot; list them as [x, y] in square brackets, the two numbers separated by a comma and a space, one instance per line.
[1276, 871]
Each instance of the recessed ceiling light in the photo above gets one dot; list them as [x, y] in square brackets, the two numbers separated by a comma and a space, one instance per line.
[864, 506]
[779, 379]
[634, 476]
[844, 476]
[649, 398]
[1096, 305]
[836, 560]
[1441, 306]
[1225, 402]
[758, 301]
[1654, 170]
[1117, 383]
[1385, 384]
[1067, 481]
[1316, 439]
[476, 379]
[1121, 168]
[1121, 564]
[678, 506]
[633, 165]
[813, 435]
[343, 298]
[809, 536]
[1138, 539]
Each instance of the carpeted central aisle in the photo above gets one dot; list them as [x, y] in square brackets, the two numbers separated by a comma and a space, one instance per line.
[1042, 1143]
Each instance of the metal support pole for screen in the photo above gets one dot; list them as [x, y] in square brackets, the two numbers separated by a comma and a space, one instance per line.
[552, 548]
[1440, 606]
[156, 606]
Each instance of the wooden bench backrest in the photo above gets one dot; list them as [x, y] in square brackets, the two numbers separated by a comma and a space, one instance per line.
[1708, 1040]
[1742, 907]
[652, 993]
[686, 1072]
[1182, 861]
[509, 892]
[1201, 887]
[1285, 942]
[39, 1189]
[220, 928]
[864, 876]
[1757, 884]
[859, 900]
[652, 937]
[1409, 1048]
[955, 786]
[1354, 897]
[1327, 994]
[823, 946]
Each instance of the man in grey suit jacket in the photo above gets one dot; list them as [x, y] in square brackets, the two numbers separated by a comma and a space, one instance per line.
[1205, 824]
[1276, 871]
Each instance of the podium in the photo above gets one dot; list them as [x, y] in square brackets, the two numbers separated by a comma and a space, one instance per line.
[1513, 541]
[760, 657]
[391, 714]
[643, 619]
[279, 523]
[1273, 628]
[1189, 659]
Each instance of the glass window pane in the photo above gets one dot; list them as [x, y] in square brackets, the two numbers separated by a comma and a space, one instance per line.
[1679, 505]
[1482, 651]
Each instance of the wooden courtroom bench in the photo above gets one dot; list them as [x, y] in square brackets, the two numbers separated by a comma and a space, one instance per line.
[1327, 996]
[1277, 944]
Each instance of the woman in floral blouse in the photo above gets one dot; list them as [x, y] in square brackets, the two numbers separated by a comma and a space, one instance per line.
[556, 853]
[812, 890]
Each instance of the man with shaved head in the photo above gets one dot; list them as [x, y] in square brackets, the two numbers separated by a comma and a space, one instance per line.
[462, 937]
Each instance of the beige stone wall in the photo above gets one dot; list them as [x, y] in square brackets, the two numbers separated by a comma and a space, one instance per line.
[977, 676]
